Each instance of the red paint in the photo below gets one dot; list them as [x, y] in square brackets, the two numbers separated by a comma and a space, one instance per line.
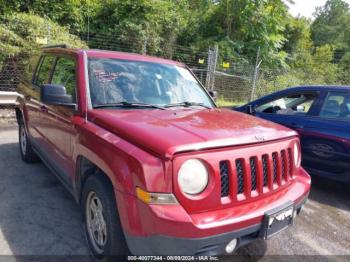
[175, 221]
[145, 148]
[167, 132]
[131, 57]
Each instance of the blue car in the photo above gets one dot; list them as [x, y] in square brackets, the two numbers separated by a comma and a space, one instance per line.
[321, 115]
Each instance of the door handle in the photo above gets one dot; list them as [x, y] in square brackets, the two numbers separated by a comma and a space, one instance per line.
[44, 109]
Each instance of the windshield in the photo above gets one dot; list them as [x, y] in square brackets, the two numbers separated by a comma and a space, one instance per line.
[114, 81]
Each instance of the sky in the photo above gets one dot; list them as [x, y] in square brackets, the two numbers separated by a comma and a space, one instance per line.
[306, 7]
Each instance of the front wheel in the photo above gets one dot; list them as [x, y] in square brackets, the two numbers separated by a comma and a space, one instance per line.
[101, 220]
[27, 153]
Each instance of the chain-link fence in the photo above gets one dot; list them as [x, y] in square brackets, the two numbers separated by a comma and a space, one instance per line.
[11, 71]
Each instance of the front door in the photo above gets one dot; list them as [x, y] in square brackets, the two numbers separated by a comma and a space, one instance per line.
[293, 110]
[57, 127]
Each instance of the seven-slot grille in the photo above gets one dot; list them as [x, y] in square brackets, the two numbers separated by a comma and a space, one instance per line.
[269, 169]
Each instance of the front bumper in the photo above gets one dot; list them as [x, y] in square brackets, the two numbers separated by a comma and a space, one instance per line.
[211, 245]
[171, 230]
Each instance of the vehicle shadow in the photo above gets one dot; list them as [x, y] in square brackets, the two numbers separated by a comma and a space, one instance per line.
[331, 193]
[38, 217]
[252, 252]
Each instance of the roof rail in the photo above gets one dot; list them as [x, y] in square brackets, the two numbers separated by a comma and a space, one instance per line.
[57, 46]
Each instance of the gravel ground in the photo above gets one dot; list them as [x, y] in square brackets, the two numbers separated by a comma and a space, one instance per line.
[39, 217]
[7, 113]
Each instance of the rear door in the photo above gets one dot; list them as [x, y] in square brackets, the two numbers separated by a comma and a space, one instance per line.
[326, 140]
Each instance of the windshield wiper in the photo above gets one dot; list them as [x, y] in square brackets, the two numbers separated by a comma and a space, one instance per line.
[187, 104]
[128, 104]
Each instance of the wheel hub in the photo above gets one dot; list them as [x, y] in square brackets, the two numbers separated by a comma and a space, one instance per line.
[96, 224]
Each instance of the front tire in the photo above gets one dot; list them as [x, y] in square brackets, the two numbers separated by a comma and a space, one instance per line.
[102, 226]
[27, 153]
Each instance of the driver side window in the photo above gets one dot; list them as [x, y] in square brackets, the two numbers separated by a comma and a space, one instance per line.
[64, 74]
[296, 104]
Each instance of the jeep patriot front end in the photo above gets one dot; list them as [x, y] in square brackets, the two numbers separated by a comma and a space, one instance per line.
[156, 167]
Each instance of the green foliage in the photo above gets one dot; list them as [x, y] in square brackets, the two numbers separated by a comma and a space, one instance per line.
[71, 13]
[144, 25]
[345, 68]
[240, 27]
[298, 35]
[21, 34]
[293, 51]
[330, 22]
[10, 43]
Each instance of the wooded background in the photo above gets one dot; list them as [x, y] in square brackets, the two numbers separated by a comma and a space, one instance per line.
[258, 43]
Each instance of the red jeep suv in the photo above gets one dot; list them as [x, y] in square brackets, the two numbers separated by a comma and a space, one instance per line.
[156, 167]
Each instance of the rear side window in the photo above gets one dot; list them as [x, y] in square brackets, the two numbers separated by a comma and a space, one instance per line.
[64, 74]
[336, 105]
[44, 72]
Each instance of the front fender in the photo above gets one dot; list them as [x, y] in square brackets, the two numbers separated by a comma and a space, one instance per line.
[125, 164]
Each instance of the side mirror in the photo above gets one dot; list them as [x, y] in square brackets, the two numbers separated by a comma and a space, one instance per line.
[213, 94]
[250, 110]
[55, 95]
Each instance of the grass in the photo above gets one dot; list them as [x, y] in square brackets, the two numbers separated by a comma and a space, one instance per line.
[221, 102]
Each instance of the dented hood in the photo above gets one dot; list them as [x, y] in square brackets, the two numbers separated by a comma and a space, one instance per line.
[166, 132]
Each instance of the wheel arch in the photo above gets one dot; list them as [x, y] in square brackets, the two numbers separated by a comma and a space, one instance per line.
[19, 114]
[84, 169]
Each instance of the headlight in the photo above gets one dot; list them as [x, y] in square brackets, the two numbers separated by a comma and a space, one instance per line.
[193, 177]
[297, 155]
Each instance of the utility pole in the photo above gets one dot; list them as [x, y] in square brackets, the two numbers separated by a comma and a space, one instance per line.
[48, 33]
[88, 23]
[255, 75]
[144, 46]
[215, 56]
[211, 68]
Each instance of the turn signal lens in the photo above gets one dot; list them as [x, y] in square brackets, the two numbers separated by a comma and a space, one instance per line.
[143, 195]
[155, 198]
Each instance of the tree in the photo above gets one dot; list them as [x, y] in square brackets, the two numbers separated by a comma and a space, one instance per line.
[240, 27]
[330, 22]
[140, 25]
[19, 39]
[70, 13]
